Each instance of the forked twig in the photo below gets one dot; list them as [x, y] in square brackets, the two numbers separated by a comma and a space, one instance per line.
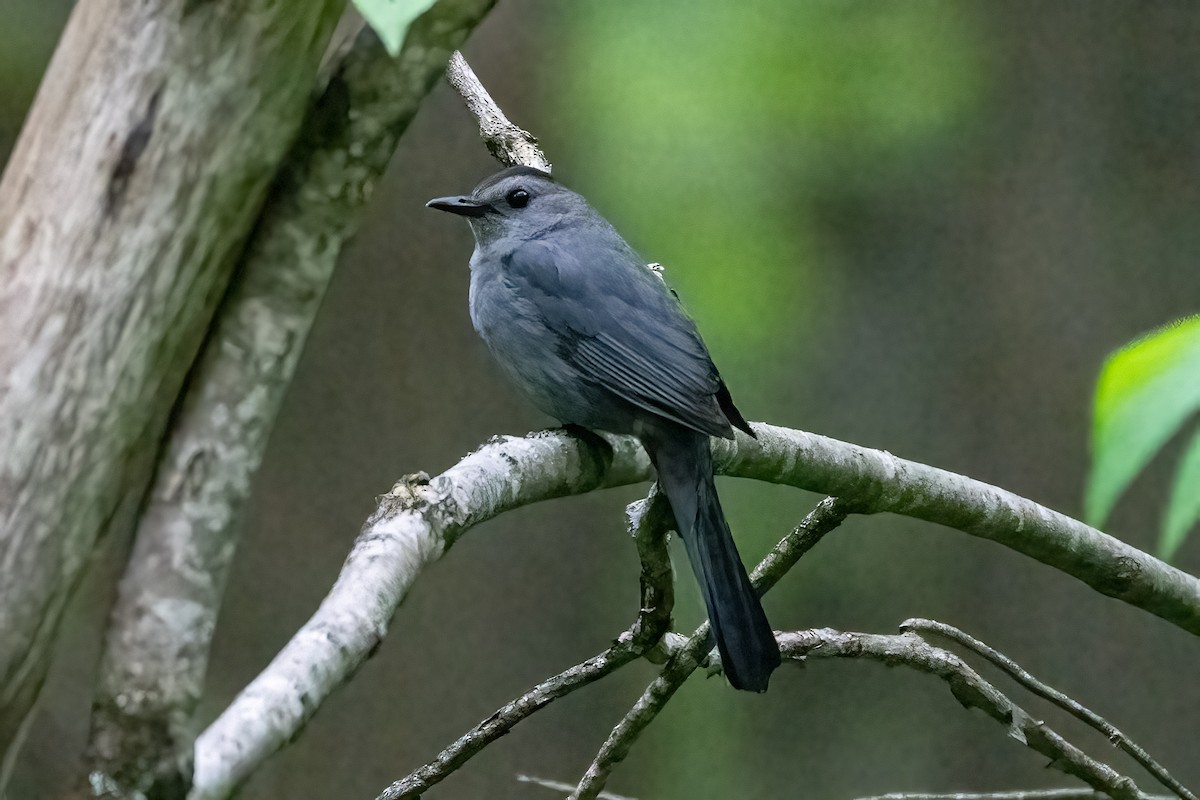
[970, 689]
[828, 514]
[648, 521]
[1073, 707]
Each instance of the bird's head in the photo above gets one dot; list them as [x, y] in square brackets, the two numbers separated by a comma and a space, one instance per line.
[520, 202]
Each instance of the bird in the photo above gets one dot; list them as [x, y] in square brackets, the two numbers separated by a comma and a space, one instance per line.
[596, 339]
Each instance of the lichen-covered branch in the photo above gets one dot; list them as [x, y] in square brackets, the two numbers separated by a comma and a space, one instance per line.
[419, 519]
[112, 256]
[414, 524]
[874, 481]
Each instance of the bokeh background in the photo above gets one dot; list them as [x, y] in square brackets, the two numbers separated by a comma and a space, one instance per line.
[916, 226]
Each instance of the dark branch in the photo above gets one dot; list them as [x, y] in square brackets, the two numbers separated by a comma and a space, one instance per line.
[648, 522]
[821, 520]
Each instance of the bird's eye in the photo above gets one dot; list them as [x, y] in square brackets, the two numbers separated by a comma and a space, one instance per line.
[517, 198]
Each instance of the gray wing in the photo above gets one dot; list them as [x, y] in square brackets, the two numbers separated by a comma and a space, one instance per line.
[619, 325]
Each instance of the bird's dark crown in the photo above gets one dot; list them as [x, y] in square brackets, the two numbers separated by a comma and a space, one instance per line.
[511, 172]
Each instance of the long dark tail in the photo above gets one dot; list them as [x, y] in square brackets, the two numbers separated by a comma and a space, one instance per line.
[748, 649]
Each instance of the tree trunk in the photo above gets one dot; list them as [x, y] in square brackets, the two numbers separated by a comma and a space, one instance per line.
[137, 176]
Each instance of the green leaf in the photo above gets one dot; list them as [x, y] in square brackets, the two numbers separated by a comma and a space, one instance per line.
[390, 18]
[1145, 393]
[1184, 508]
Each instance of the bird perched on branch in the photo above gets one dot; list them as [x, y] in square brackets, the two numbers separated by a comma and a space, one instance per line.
[596, 339]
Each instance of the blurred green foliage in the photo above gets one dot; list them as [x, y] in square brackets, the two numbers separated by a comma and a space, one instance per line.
[1146, 392]
[788, 103]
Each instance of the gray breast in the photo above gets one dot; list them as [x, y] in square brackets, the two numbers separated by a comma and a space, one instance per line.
[530, 353]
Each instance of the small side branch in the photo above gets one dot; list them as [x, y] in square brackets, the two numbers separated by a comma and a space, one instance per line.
[648, 522]
[502, 721]
[971, 690]
[508, 143]
[616, 747]
[559, 786]
[1073, 707]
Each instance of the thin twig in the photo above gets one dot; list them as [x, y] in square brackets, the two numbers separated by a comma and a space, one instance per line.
[509, 144]
[643, 712]
[971, 690]
[648, 521]
[1030, 794]
[560, 786]
[503, 720]
[828, 514]
[1073, 707]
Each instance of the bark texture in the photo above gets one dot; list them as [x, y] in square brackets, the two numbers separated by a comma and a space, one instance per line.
[136, 178]
[156, 651]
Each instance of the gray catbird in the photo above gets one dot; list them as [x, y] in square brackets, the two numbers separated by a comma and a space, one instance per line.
[596, 339]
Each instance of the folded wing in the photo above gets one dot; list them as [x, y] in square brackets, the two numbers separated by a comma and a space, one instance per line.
[635, 340]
